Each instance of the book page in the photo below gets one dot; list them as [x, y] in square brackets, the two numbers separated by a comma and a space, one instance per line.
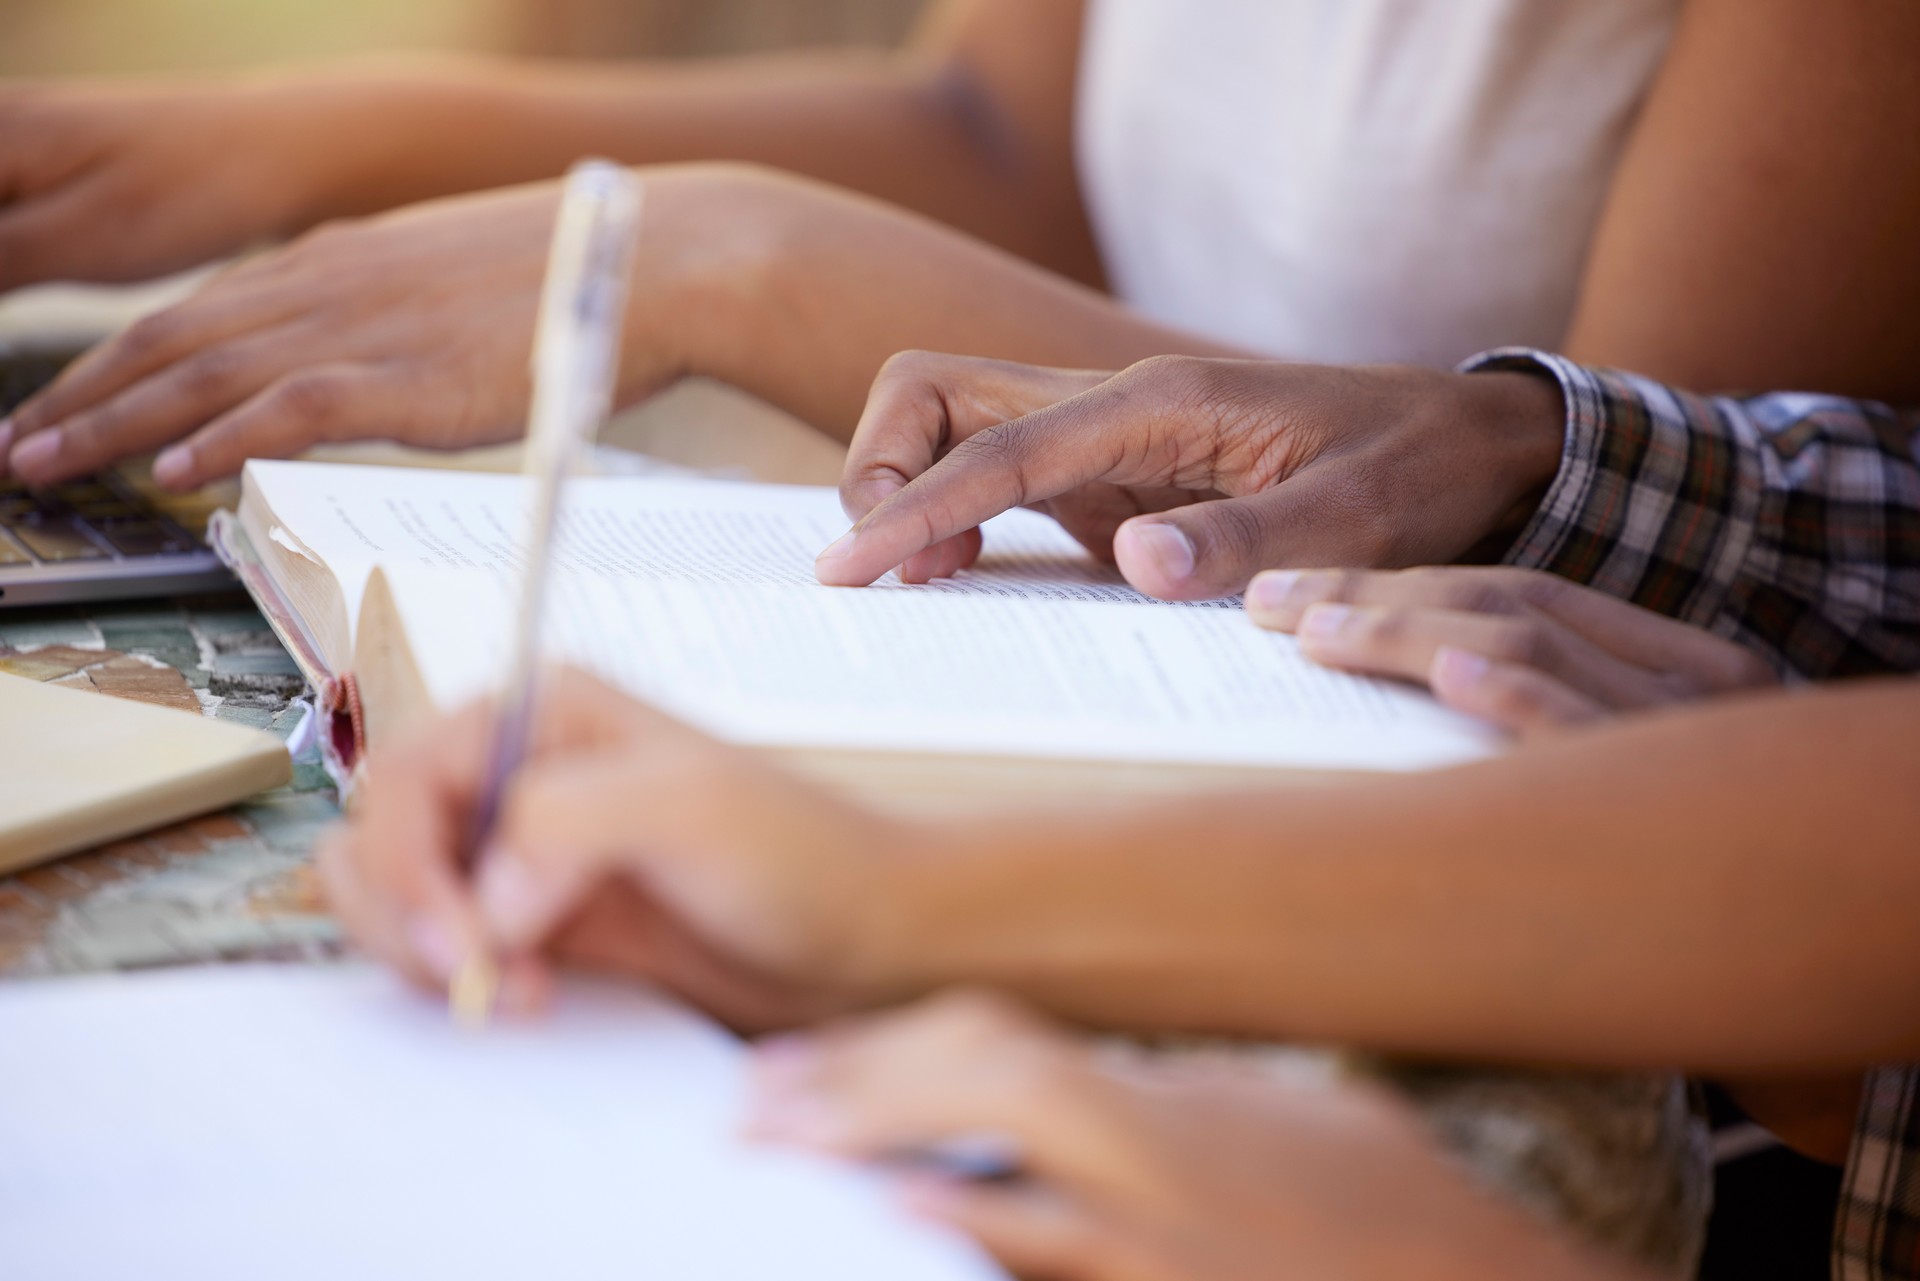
[322, 1123]
[666, 530]
[788, 665]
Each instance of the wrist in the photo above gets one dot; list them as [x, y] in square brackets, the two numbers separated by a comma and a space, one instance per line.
[903, 927]
[710, 250]
[1062, 907]
[1522, 418]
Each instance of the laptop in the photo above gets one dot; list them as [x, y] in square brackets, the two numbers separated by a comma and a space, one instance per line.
[95, 539]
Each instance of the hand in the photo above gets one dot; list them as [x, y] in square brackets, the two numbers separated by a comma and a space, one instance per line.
[1526, 650]
[134, 180]
[1144, 1169]
[627, 843]
[1193, 474]
[415, 326]
[917, 408]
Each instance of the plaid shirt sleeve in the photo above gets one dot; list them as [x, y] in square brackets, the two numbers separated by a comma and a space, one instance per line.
[1876, 1235]
[1789, 523]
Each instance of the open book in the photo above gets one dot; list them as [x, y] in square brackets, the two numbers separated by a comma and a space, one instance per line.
[394, 587]
[326, 1124]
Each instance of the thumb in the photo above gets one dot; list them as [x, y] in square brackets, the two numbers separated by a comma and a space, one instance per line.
[1207, 550]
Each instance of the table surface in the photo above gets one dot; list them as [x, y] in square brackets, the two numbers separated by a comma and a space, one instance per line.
[229, 885]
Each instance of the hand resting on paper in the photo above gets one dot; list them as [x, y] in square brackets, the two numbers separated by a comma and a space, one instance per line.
[1146, 1168]
[1526, 650]
[1192, 474]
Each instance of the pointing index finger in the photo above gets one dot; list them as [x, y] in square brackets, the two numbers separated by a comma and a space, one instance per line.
[1027, 460]
[924, 403]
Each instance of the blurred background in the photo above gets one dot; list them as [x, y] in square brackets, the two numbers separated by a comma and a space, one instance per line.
[47, 37]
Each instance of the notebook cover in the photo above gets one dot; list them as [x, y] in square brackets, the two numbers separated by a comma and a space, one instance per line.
[79, 769]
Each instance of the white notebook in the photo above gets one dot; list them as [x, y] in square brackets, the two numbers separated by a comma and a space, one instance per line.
[320, 1124]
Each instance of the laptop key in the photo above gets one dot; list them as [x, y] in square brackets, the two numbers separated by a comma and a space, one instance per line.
[144, 537]
[107, 509]
[12, 553]
[82, 492]
[58, 538]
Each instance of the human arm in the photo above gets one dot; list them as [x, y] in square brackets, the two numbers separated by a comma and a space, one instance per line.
[1790, 523]
[1140, 1167]
[791, 289]
[1649, 893]
[1756, 232]
[970, 123]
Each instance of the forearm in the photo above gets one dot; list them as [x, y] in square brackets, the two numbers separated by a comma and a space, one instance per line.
[819, 288]
[1626, 897]
[1753, 239]
[912, 127]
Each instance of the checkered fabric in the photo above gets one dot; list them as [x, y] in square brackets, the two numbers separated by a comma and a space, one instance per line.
[1789, 523]
[1876, 1236]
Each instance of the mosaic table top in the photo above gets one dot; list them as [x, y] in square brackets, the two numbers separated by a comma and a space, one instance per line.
[229, 885]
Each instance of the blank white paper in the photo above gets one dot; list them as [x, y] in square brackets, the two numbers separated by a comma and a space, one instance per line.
[325, 1123]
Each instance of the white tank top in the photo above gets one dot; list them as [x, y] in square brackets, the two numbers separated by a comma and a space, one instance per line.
[1358, 180]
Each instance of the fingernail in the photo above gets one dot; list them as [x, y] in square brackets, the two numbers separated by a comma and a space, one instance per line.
[434, 947]
[1270, 590]
[1458, 669]
[1168, 547]
[37, 452]
[174, 466]
[510, 899]
[837, 549]
[1323, 622]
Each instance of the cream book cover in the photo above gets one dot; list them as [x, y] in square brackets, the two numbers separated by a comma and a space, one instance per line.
[80, 769]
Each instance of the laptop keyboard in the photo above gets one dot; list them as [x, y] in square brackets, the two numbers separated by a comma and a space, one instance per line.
[99, 519]
[24, 372]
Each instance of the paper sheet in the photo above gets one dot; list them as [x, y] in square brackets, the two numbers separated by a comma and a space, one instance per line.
[321, 1123]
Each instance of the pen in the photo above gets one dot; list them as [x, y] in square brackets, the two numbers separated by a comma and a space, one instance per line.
[576, 358]
[964, 1158]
